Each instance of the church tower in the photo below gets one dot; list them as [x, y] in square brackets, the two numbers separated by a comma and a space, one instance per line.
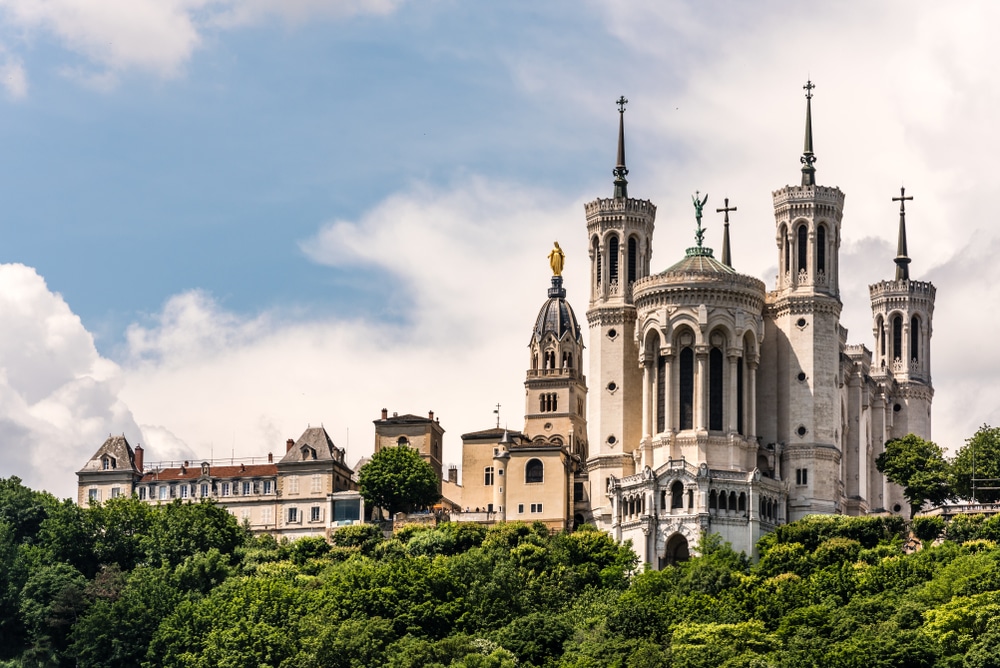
[620, 231]
[902, 310]
[555, 387]
[804, 338]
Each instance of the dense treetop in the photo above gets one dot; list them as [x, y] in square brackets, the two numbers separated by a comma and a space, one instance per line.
[129, 584]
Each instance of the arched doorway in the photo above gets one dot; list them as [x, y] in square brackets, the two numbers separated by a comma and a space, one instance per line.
[676, 550]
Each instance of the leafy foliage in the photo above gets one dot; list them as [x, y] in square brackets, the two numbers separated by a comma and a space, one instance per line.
[919, 467]
[980, 454]
[397, 479]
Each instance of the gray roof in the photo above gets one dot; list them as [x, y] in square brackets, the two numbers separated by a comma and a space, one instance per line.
[116, 447]
[700, 262]
[313, 445]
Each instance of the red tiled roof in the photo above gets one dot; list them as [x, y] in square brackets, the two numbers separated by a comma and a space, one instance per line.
[194, 472]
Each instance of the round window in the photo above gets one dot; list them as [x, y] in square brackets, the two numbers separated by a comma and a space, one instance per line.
[802, 375]
[801, 322]
[612, 440]
[612, 333]
[612, 386]
[896, 508]
[896, 408]
[801, 431]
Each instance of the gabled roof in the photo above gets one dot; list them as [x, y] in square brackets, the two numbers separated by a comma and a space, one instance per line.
[121, 455]
[313, 445]
[493, 432]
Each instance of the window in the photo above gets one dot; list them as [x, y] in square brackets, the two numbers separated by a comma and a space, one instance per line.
[488, 476]
[225, 489]
[633, 260]
[677, 495]
[402, 440]
[245, 515]
[597, 259]
[204, 490]
[247, 488]
[803, 241]
[577, 492]
[715, 389]
[142, 493]
[661, 393]
[266, 515]
[801, 476]
[534, 471]
[914, 339]
[897, 338]
[267, 486]
[184, 491]
[93, 495]
[687, 389]
[163, 493]
[293, 485]
[821, 250]
[536, 507]
[293, 515]
[520, 509]
[116, 492]
[613, 258]
[314, 514]
[317, 484]
[739, 395]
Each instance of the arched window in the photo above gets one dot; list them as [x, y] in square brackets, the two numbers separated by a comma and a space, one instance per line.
[914, 338]
[402, 440]
[534, 362]
[713, 500]
[732, 500]
[633, 260]
[897, 337]
[677, 495]
[597, 260]
[613, 258]
[743, 502]
[821, 249]
[803, 245]
[534, 471]
[722, 500]
[881, 336]
[715, 389]
[785, 251]
[567, 360]
[686, 389]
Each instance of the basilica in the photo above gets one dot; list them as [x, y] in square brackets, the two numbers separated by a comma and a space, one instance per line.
[711, 405]
[715, 405]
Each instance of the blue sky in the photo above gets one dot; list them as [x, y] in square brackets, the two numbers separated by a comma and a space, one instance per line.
[225, 221]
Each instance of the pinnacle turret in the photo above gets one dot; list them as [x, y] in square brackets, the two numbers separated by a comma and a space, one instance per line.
[902, 259]
[621, 185]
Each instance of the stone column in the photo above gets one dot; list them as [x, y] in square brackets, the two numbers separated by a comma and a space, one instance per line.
[668, 384]
[647, 413]
[750, 390]
[700, 387]
[733, 409]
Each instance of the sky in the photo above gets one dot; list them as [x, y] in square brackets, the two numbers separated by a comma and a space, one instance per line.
[226, 221]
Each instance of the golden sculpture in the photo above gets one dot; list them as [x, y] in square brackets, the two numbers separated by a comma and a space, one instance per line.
[556, 260]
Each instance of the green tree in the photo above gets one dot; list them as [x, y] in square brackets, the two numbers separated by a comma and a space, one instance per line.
[919, 467]
[179, 530]
[981, 454]
[397, 479]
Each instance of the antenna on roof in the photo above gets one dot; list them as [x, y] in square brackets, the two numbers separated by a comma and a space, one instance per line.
[496, 411]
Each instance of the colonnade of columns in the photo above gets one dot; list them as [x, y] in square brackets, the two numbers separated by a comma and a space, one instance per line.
[670, 384]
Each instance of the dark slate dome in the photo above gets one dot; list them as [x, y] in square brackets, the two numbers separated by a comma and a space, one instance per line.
[556, 315]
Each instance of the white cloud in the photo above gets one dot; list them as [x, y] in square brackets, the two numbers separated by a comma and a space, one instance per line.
[472, 258]
[58, 397]
[156, 37]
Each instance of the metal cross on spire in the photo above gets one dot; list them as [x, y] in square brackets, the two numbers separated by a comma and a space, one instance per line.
[808, 88]
[902, 259]
[808, 158]
[621, 102]
[726, 255]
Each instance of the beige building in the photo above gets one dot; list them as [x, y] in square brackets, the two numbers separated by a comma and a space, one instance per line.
[423, 434]
[291, 498]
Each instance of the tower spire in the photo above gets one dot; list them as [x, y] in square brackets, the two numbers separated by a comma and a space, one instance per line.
[727, 258]
[808, 171]
[621, 185]
[902, 259]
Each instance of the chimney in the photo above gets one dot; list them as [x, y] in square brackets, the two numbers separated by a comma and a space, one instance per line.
[270, 458]
[430, 415]
[288, 444]
[453, 474]
[138, 457]
[385, 414]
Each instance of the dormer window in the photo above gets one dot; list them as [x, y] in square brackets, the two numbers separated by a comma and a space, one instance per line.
[308, 453]
[108, 463]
